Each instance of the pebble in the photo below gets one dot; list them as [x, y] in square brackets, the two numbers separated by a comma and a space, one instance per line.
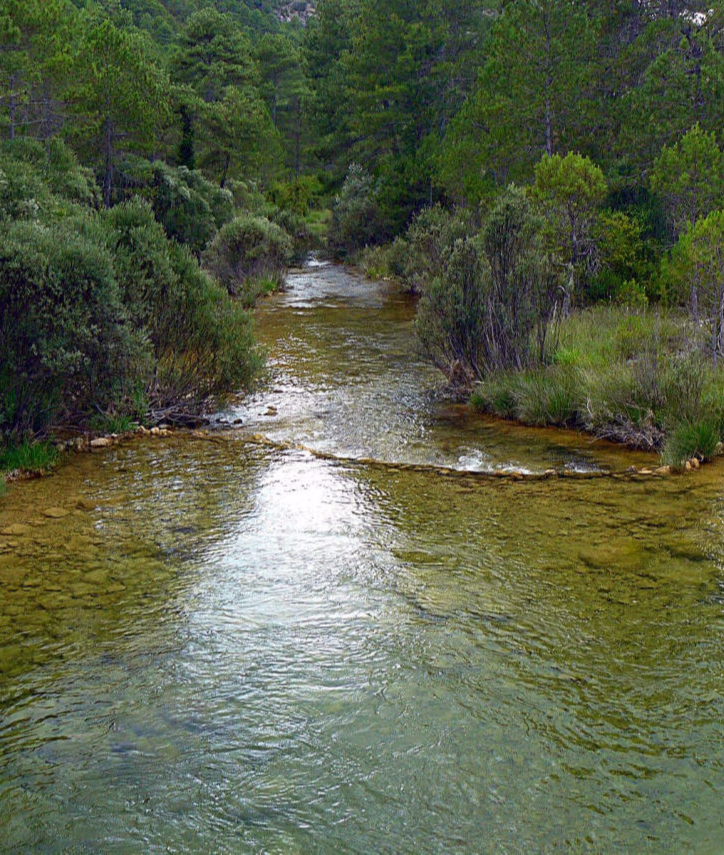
[101, 442]
[55, 513]
[16, 530]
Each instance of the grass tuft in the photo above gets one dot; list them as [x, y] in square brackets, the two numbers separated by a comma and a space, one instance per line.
[28, 457]
[687, 440]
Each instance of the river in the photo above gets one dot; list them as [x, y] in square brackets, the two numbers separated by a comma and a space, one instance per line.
[212, 645]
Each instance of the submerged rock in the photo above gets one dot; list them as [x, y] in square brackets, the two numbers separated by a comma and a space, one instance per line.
[16, 530]
[55, 513]
[101, 442]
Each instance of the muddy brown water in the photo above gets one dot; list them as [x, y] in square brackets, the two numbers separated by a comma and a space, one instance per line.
[208, 645]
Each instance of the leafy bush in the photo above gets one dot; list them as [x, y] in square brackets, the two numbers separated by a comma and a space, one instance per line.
[569, 191]
[66, 341]
[297, 195]
[190, 208]
[523, 290]
[201, 343]
[697, 264]
[102, 313]
[689, 178]
[451, 316]
[493, 306]
[430, 237]
[40, 182]
[626, 259]
[248, 249]
[355, 215]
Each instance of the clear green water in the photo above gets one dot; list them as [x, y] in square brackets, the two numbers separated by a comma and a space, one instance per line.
[223, 648]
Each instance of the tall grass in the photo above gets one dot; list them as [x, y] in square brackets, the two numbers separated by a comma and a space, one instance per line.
[28, 457]
[639, 378]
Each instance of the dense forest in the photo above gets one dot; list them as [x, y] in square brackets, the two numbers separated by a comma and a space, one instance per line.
[546, 175]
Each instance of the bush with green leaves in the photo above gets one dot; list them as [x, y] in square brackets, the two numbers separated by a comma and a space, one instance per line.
[102, 313]
[689, 178]
[201, 343]
[247, 250]
[569, 192]
[190, 208]
[451, 315]
[355, 215]
[626, 260]
[67, 343]
[694, 273]
[297, 195]
[39, 182]
[494, 304]
[429, 238]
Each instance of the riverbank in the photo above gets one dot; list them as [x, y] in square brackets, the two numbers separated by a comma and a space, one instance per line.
[639, 376]
[31, 460]
[633, 377]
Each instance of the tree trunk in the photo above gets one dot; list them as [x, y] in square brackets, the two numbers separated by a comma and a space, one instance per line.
[225, 172]
[108, 172]
[13, 106]
[298, 139]
[549, 84]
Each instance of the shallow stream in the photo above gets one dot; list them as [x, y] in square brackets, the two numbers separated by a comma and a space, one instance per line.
[212, 646]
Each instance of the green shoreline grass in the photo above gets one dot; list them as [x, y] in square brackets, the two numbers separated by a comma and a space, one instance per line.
[27, 457]
[639, 378]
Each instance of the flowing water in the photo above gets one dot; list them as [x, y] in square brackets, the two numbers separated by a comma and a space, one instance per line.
[213, 646]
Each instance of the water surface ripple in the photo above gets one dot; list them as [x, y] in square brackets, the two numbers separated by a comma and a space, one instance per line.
[214, 647]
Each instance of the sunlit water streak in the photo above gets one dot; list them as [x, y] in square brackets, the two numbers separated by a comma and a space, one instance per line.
[222, 648]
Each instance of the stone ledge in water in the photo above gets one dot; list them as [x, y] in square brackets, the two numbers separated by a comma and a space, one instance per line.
[55, 513]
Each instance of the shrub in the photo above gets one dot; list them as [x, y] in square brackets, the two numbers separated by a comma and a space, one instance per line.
[569, 191]
[523, 288]
[492, 307]
[452, 313]
[189, 207]
[689, 178]
[626, 260]
[355, 214]
[202, 344]
[698, 259]
[66, 342]
[248, 248]
[429, 239]
[39, 182]
[297, 195]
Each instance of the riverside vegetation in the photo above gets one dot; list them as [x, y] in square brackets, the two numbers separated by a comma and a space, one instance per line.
[550, 308]
[546, 178]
